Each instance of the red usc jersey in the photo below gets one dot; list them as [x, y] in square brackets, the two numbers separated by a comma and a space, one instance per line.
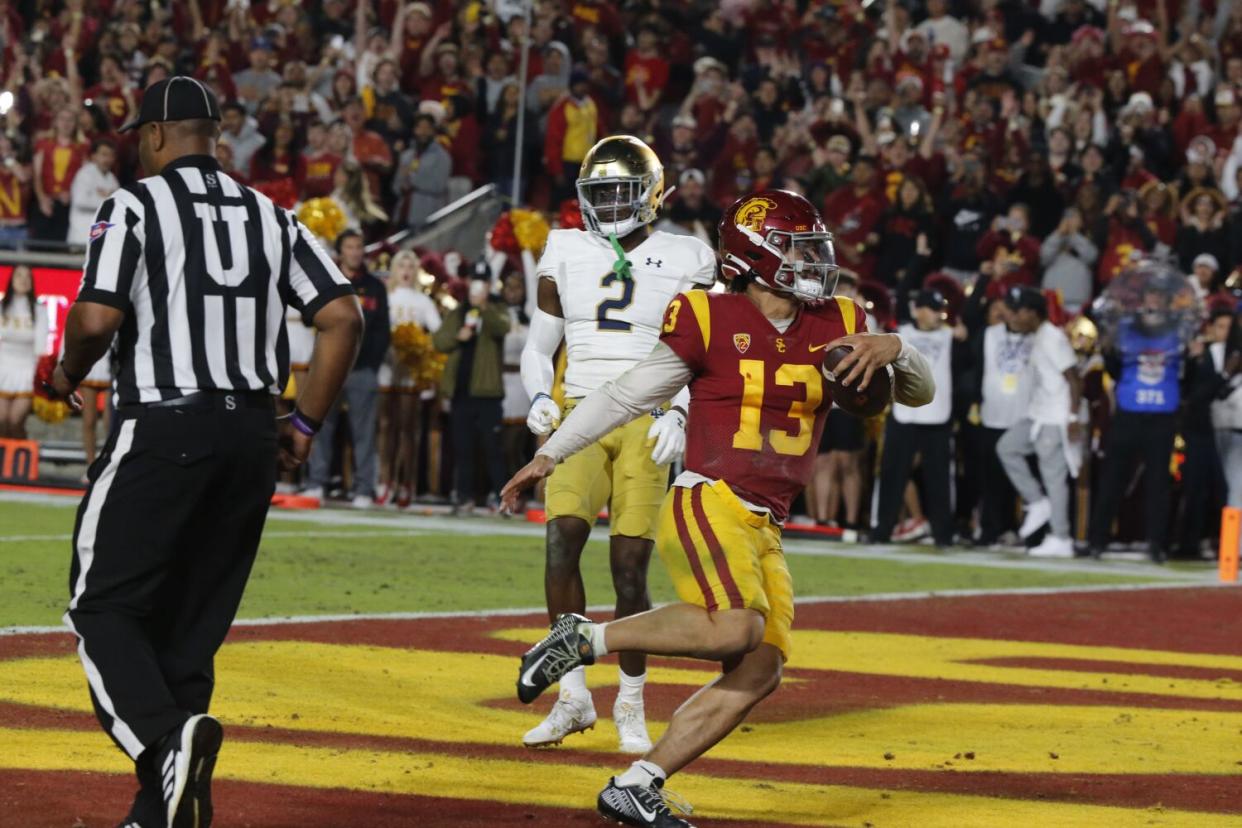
[757, 400]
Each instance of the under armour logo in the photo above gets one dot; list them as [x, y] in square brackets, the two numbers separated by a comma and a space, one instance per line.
[654, 262]
[230, 402]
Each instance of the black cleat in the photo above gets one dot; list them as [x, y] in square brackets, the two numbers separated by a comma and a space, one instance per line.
[185, 762]
[643, 807]
[561, 650]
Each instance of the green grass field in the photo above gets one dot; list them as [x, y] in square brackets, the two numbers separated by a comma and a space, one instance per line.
[395, 565]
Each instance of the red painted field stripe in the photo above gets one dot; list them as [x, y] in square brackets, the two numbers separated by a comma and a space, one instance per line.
[687, 543]
[718, 555]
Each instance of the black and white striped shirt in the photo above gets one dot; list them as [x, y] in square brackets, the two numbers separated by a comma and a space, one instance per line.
[204, 269]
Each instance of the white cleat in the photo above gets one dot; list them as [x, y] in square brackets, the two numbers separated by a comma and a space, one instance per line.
[569, 715]
[1053, 547]
[631, 722]
[1037, 514]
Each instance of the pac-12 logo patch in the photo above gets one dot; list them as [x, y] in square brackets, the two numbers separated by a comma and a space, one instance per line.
[741, 342]
[99, 228]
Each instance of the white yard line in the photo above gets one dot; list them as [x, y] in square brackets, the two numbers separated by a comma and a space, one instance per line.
[388, 524]
[275, 621]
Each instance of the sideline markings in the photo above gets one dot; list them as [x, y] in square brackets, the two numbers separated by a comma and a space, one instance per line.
[278, 620]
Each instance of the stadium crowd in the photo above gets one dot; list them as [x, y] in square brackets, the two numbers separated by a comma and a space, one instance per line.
[981, 164]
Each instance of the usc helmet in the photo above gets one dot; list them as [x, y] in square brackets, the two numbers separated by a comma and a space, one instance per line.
[620, 186]
[779, 239]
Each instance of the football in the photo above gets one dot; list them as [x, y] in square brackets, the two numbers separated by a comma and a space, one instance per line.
[868, 402]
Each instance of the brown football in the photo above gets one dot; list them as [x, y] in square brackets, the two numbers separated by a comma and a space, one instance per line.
[865, 403]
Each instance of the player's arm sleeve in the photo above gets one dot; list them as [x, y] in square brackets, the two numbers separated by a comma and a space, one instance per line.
[314, 279]
[544, 337]
[912, 378]
[913, 384]
[114, 255]
[616, 403]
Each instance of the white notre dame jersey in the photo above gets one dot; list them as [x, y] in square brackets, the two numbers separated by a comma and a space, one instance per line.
[611, 323]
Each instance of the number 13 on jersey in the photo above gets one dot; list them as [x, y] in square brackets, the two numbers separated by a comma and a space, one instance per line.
[748, 436]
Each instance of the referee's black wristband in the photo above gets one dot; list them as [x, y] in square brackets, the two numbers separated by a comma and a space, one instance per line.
[74, 381]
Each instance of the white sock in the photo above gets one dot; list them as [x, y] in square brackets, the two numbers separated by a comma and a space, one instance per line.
[595, 633]
[641, 773]
[631, 691]
[574, 683]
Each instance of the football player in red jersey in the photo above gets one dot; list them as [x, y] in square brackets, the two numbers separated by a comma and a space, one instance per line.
[753, 359]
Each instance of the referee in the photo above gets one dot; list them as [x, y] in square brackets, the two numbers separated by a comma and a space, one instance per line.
[192, 273]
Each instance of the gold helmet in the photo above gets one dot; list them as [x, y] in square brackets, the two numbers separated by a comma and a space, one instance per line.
[1083, 335]
[620, 186]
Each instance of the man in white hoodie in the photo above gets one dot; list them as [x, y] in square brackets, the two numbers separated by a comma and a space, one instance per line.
[93, 183]
[1052, 430]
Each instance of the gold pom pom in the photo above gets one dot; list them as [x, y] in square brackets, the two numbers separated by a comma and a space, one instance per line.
[323, 217]
[50, 411]
[417, 357]
[530, 229]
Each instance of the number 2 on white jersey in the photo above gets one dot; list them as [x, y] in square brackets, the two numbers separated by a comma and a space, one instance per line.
[621, 303]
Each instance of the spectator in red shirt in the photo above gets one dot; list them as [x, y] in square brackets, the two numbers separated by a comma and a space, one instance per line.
[461, 137]
[574, 125]
[1128, 236]
[853, 214]
[732, 172]
[1143, 62]
[442, 77]
[317, 164]
[114, 91]
[56, 161]
[646, 72]
[277, 159]
[411, 31]
[369, 148]
[1007, 252]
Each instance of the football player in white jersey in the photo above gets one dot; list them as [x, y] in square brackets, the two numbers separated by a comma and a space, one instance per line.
[604, 291]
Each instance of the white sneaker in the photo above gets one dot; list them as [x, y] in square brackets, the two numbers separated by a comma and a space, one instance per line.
[362, 502]
[1053, 547]
[631, 722]
[313, 491]
[914, 530]
[569, 715]
[1037, 514]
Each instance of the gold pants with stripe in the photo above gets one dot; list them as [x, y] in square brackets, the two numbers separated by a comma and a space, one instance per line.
[720, 555]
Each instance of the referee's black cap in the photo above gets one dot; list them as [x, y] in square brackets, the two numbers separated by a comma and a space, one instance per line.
[176, 99]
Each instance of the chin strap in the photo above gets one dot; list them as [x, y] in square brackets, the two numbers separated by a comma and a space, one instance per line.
[621, 267]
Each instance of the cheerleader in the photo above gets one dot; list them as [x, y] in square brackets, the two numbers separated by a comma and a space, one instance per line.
[400, 428]
[23, 338]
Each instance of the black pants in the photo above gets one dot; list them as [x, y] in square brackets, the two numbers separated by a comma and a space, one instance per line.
[996, 506]
[163, 545]
[51, 228]
[901, 443]
[1203, 487]
[1133, 437]
[476, 430]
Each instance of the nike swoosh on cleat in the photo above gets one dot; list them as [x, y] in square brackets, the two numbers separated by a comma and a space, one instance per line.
[814, 348]
[530, 671]
[647, 815]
